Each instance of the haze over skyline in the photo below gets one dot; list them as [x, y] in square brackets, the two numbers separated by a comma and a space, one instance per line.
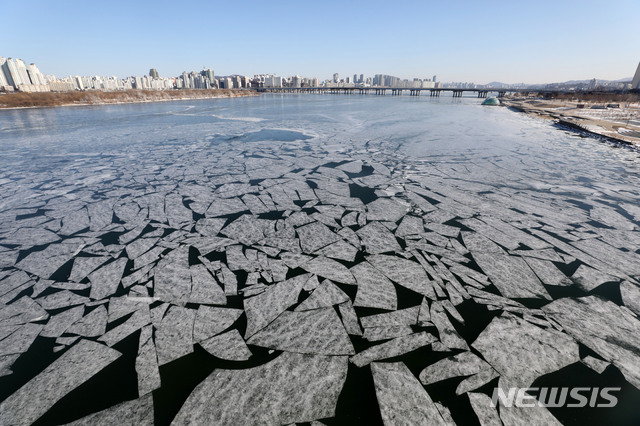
[511, 42]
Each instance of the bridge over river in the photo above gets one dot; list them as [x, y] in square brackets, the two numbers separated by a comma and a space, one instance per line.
[398, 91]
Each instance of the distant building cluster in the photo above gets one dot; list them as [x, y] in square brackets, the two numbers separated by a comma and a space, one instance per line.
[272, 80]
[381, 80]
[16, 75]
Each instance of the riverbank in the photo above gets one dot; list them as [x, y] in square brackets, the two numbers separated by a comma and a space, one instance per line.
[53, 99]
[616, 121]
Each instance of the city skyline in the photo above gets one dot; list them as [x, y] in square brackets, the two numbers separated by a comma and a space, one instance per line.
[18, 75]
[494, 41]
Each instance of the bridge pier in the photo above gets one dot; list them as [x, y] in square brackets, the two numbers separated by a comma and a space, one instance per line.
[457, 93]
[435, 93]
[482, 93]
[501, 94]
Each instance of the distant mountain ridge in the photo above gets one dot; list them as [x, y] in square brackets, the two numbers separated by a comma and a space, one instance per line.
[499, 84]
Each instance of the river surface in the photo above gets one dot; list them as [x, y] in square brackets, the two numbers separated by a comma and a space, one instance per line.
[296, 258]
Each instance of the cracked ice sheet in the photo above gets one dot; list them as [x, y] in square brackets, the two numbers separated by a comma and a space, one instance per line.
[137, 412]
[147, 363]
[349, 318]
[375, 334]
[588, 278]
[448, 334]
[511, 275]
[630, 294]
[406, 273]
[73, 368]
[265, 307]
[174, 334]
[57, 324]
[293, 388]
[410, 225]
[547, 272]
[138, 320]
[533, 351]
[83, 266]
[476, 381]
[462, 364]
[247, 229]
[393, 348]
[376, 238]
[140, 246]
[172, 277]
[20, 340]
[374, 289]
[330, 269]
[481, 404]
[229, 346]
[535, 415]
[204, 287]
[225, 206]
[339, 250]
[326, 294]
[104, 281]
[213, 320]
[387, 209]
[44, 263]
[408, 316]
[315, 236]
[401, 397]
[209, 227]
[22, 311]
[61, 299]
[319, 331]
[606, 328]
[93, 324]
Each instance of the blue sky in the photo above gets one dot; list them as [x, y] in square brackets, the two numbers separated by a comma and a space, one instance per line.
[481, 41]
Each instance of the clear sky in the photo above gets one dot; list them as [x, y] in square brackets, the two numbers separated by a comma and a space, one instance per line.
[481, 41]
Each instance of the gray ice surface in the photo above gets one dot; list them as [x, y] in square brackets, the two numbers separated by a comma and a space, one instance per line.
[318, 331]
[81, 362]
[229, 346]
[533, 351]
[293, 388]
[392, 348]
[401, 398]
[135, 412]
[265, 307]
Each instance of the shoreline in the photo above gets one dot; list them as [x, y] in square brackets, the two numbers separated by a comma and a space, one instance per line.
[91, 98]
[601, 122]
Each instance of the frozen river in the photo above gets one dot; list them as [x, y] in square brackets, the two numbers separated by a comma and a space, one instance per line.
[313, 258]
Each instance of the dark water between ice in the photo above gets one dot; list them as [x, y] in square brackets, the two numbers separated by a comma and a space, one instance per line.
[475, 167]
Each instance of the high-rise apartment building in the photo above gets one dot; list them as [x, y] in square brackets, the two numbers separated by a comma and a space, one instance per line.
[209, 74]
[635, 83]
[35, 75]
[153, 73]
[3, 79]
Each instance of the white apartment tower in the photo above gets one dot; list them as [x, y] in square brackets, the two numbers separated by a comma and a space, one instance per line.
[635, 83]
[3, 79]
